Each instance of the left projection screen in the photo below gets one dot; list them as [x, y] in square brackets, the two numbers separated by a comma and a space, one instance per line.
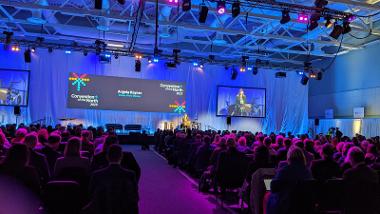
[14, 87]
[120, 93]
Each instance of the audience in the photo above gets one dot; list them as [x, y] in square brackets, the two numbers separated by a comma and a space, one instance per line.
[37, 160]
[72, 158]
[113, 189]
[50, 150]
[325, 168]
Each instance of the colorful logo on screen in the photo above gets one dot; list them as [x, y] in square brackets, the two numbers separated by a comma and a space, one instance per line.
[178, 108]
[79, 80]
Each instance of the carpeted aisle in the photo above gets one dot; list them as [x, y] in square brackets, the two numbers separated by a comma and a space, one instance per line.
[164, 189]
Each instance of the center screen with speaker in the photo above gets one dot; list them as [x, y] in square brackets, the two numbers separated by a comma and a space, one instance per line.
[120, 93]
[241, 101]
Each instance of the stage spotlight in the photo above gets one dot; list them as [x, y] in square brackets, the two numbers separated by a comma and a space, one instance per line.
[244, 60]
[242, 69]
[351, 18]
[303, 18]
[234, 73]
[346, 27]
[320, 3]
[319, 76]
[155, 59]
[176, 55]
[67, 52]
[235, 9]
[98, 4]
[336, 32]
[255, 70]
[221, 7]
[150, 60]
[314, 21]
[312, 75]
[8, 38]
[122, 2]
[329, 22]
[105, 58]
[280, 74]
[304, 79]
[203, 12]
[249, 68]
[186, 5]
[138, 63]
[285, 17]
[195, 64]
[27, 56]
[300, 73]
[201, 65]
[173, 1]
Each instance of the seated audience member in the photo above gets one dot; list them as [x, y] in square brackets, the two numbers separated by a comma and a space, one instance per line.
[4, 145]
[20, 135]
[87, 145]
[242, 145]
[260, 160]
[72, 158]
[202, 155]
[113, 189]
[100, 161]
[65, 136]
[15, 166]
[326, 168]
[98, 144]
[308, 156]
[50, 150]
[359, 171]
[215, 154]
[283, 182]
[37, 160]
[216, 141]
[43, 136]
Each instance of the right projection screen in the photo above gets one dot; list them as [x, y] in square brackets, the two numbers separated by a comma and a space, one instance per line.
[238, 101]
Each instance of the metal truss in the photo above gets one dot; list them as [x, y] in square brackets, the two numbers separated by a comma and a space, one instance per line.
[255, 32]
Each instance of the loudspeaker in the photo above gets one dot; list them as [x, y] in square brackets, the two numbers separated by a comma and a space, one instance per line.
[98, 4]
[17, 110]
[228, 120]
[234, 73]
[316, 121]
[319, 76]
[137, 65]
[203, 14]
[27, 56]
[186, 5]
[304, 80]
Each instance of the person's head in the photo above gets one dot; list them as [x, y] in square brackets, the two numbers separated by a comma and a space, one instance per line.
[241, 92]
[231, 143]
[17, 156]
[207, 139]
[242, 141]
[267, 141]
[279, 140]
[355, 156]
[296, 155]
[72, 148]
[299, 144]
[110, 140]
[261, 153]
[31, 140]
[85, 134]
[54, 140]
[21, 133]
[288, 143]
[43, 136]
[327, 151]
[114, 154]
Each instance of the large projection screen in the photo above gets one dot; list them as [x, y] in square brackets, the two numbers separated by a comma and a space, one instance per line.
[241, 101]
[14, 87]
[120, 93]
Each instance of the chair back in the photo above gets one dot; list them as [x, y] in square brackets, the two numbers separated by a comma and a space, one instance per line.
[62, 197]
[77, 174]
[361, 197]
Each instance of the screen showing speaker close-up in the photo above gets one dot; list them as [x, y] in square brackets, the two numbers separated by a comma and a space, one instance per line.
[120, 93]
[240, 101]
[14, 86]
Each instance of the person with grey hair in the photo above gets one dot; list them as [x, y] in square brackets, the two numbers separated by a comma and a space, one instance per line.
[359, 171]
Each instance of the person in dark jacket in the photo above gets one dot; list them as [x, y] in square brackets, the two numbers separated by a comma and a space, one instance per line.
[37, 160]
[50, 150]
[325, 168]
[113, 189]
[128, 161]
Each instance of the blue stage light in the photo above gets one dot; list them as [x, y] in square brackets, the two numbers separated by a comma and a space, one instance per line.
[107, 55]
[300, 73]
[195, 64]
[67, 52]
[249, 68]
[155, 59]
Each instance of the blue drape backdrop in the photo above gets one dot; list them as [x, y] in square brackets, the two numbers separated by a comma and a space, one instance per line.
[286, 99]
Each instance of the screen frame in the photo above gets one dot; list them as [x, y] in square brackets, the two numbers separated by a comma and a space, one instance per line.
[27, 93]
[244, 87]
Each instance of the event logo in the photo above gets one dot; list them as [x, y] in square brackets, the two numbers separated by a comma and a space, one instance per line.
[79, 80]
[178, 108]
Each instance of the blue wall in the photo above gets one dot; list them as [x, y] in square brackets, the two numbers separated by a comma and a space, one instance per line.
[352, 81]
[286, 98]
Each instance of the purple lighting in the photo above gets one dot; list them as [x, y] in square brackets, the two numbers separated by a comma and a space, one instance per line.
[173, 1]
[351, 18]
[303, 18]
[221, 10]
